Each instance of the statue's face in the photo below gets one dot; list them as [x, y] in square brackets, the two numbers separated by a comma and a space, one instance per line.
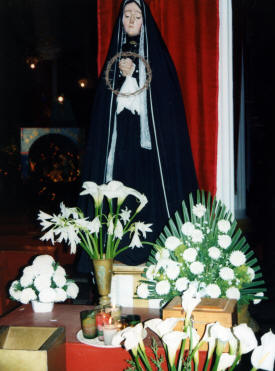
[132, 19]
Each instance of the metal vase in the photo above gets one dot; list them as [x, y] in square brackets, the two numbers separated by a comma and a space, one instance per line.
[103, 269]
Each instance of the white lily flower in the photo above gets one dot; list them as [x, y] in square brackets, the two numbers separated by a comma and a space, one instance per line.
[173, 341]
[125, 215]
[233, 344]
[162, 327]
[220, 332]
[114, 189]
[135, 241]
[48, 236]
[209, 339]
[189, 301]
[118, 230]
[263, 356]
[67, 211]
[226, 361]
[117, 338]
[110, 226]
[43, 216]
[94, 225]
[143, 228]
[143, 201]
[246, 337]
[92, 189]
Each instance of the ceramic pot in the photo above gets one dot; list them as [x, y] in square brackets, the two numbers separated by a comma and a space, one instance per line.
[39, 307]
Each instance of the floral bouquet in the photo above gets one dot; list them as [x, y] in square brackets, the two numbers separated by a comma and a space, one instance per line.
[180, 349]
[206, 251]
[101, 236]
[44, 281]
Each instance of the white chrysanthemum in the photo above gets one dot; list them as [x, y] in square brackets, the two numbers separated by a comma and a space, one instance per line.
[182, 283]
[60, 270]
[226, 273]
[213, 291]
[214, 252]
[42, 282]
[29, 271]
[196, 267]
[223, 225]
[59, 279]
[199, 210]
[188, 228]
[47, 295]
[251, 273]
[233, 293]
[224, 241]
[172, 243]
[60, 294]
[163, 287]
[72, 290]
[142, 291]
[13, 292]
[190, 254]
[173, 271]
[43, 260]
[259, 295]
[237, 258]
[197, 236]
[27, 295]
[26, 280]
[150, 273]
[162, 254]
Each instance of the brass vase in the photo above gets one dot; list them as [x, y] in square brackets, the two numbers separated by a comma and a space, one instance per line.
[103, 269]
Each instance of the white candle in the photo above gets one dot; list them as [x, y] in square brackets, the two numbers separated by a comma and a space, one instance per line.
[108, 333]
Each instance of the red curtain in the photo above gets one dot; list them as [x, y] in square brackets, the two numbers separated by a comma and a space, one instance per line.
[190, 29]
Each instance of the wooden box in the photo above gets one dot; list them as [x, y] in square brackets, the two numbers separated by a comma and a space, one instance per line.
[207, 311]
[24, 348]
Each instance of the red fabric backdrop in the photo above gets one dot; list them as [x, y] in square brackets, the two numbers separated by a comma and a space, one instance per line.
[190, 29]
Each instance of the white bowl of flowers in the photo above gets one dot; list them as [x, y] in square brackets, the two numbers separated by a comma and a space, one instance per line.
[43, 283]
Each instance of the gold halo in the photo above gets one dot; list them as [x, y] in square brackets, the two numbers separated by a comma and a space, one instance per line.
[128, 54]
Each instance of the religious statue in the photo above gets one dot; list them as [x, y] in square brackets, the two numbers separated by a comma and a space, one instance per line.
[138, 132]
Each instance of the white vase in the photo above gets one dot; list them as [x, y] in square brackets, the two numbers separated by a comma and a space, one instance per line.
[39, 307]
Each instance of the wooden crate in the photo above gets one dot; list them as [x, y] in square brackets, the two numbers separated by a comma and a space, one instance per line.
[207, 311]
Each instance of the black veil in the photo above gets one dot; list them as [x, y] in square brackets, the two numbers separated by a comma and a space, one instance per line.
[165, 174]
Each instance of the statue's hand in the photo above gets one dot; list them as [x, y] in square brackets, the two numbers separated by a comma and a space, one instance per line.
[126, 66]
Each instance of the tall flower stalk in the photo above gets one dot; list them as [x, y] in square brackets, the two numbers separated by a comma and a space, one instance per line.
[100, 237]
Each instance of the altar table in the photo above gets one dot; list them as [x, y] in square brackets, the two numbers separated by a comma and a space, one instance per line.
[78, 356]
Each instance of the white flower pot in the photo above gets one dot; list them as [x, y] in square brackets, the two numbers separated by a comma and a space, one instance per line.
[39, 307]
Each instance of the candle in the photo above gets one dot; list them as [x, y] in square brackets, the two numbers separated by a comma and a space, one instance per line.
[88, 323]
[115, 311]
[109, 331]
[102, 318]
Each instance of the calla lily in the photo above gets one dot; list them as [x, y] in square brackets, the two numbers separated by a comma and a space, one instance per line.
[162, 327]
[220, 332]
[131, 341]
[190, 300]
[246, 337]
[226, 361]
[233, 345]
[173, 341]
[263, 356]
[91, 188]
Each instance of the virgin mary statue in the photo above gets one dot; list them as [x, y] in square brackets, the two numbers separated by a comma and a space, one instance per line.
[140, 137]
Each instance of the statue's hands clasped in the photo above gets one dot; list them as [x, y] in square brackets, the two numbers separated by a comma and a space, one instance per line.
[126, 66]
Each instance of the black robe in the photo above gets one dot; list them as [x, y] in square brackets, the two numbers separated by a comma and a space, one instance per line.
[165, 174]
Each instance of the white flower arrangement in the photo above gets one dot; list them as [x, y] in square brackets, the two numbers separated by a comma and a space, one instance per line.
[181, 355]
[210, 253]
[44, 281]
[101, 236]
